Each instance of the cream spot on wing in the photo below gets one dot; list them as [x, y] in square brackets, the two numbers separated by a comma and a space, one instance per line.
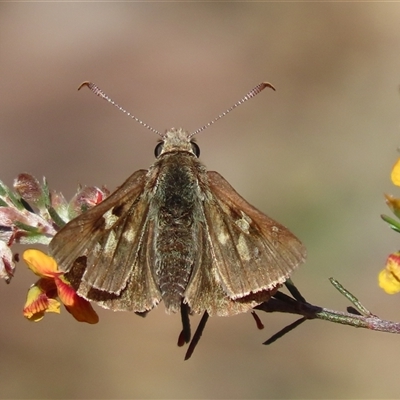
[97, 249]
[244, 222]
[223, 237]
[243, 249]
[109, 219]
[129, 235]
[111, 243]
[256, 253]
[275, 233]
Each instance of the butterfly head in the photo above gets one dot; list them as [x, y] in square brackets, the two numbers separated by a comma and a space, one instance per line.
[176, 140]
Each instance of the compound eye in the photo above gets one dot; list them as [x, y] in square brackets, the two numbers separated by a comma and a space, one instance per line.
[158, 149]
[195, 149]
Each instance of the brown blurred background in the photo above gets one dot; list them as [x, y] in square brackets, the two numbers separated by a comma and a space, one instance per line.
[316, 155]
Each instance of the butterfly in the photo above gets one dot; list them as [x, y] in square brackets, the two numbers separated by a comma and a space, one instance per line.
[176, 233]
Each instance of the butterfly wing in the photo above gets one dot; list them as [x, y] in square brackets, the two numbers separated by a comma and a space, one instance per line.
[205, 291]
[247, 254]
[140, 293]
[112, 237]
[252, 251]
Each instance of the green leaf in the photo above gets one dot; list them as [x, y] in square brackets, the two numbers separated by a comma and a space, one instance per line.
[395, 225]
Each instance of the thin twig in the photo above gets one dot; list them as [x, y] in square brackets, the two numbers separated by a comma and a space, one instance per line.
[351, 297]
[285, 304]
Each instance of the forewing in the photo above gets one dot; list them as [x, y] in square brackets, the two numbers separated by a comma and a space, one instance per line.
[109, 236]
[251, 252]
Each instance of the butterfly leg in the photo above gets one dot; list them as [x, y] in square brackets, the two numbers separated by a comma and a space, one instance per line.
[197, 335]
[185, 334]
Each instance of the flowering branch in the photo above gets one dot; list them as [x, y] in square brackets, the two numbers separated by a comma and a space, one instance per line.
[31, 214]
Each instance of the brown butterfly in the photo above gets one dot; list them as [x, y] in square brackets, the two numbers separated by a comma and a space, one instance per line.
[176, 233]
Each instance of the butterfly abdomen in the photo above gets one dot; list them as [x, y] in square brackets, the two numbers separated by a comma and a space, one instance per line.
[176, 250]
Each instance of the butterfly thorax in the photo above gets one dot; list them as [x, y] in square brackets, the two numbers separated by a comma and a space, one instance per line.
[175, 211]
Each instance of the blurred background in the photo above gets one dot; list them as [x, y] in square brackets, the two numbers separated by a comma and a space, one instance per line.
[315, 155]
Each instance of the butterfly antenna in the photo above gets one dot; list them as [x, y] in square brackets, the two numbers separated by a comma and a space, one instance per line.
[248, 96]
[96, 90]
